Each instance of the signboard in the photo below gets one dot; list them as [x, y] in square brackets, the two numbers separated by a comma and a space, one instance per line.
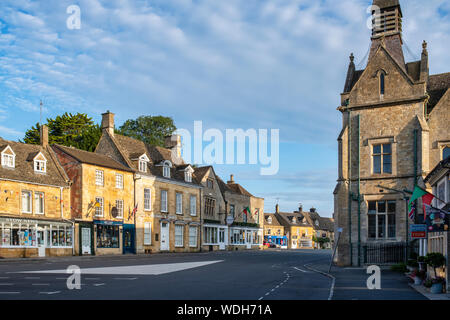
[418, 231]
[230, 220]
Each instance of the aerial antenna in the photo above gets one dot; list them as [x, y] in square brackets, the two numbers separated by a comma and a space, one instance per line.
[40, 113]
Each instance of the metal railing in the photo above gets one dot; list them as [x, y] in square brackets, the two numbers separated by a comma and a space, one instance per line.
[386, 253]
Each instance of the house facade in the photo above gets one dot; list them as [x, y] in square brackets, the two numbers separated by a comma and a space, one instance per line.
[274, 231]
[167, 194]
[395, 118]
[101, 202]
[34, 201]
[245, 216]
[214, 225]
[297, 229]
[323, 228]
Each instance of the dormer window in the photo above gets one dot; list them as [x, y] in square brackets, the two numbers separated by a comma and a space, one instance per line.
[8, 158]
[166, 168]
[269, 220]
[188, 174]
[143, 163]
[40, 163]
[294, 220]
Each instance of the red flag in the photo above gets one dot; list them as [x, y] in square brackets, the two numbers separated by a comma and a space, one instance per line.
[426, 200]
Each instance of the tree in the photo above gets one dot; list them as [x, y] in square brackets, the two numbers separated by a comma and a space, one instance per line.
[76, 130]
[150, 129]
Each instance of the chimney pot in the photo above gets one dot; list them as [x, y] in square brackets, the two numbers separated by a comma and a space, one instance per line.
[277, 208]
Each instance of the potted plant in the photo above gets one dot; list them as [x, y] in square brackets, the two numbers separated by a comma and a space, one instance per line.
[412, 265]
[422, 263]
[436, 260]
[419, 276]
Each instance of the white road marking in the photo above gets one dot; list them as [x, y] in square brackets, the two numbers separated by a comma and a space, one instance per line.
[300, 270]
[32, 278]
[125, 278]
[91, 278]
[6, 284]
[53, 292]
[98, 284]
[333, 282]
[152, 269]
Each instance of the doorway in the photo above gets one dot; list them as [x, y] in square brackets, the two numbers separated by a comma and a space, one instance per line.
[41, 241]
[86, 239]
[164, 236]
[129, 233]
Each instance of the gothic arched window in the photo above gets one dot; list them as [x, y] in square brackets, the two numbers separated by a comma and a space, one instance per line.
[382, 82]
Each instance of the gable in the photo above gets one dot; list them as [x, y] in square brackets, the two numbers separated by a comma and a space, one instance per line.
[9, 151]
[40, 157]
[398, 84]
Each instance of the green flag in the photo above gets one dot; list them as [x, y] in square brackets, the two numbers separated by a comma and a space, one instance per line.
[418, 193]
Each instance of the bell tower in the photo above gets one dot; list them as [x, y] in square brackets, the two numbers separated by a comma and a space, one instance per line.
[387, 28]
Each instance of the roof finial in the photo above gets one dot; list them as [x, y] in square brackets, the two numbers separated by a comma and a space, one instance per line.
[352, 57]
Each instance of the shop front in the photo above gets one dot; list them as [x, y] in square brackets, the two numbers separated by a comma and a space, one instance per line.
[129, 239]
[277, 241]
[245, 238]
[215, 237]
[23, 238]
[108, 237]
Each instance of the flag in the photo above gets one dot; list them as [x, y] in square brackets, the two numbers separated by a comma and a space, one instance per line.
[418, 193]
[246, 211]
[426, 200]
[412, 211]
[134, 211]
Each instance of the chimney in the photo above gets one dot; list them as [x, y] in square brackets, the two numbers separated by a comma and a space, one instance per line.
[173, 142]
[108, 122]
[300, 208]
[231, 179]
[277, 208]
[424, 69]
[43, 132]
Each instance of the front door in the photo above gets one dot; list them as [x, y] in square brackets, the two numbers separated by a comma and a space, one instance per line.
[85, 240]
[128, 238]
[41, 241]
[164, 236]
[221, 239]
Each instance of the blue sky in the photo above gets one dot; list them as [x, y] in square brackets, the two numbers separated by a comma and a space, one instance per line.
[277, 64]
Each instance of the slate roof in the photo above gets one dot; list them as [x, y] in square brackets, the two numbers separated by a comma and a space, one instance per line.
[275, 221]
[92, 158]
[444, 164]
[384, 4]
[134, 148]
[237, 188]
[24, 165]
[413, 69]
[326, 224]
[286, 219]
[201, 172]
[437, 86]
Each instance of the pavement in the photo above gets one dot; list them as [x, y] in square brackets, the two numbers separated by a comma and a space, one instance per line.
[243, 275]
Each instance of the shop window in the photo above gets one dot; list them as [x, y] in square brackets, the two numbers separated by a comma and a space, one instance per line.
[107, 236]
[210, 235]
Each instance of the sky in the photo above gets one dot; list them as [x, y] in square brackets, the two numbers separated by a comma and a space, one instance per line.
[262, 64]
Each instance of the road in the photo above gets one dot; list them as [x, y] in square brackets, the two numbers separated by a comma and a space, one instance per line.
[245, 275]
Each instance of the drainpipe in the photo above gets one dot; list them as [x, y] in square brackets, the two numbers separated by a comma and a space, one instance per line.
[201, 219]
[350, 186]
[359, 191]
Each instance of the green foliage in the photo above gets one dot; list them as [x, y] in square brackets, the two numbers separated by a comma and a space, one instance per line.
[401, 267]
[77, 130]
[245, 224]
[428, 283]
[421, 259]
[150, 129]
[413, 263]
[435, 259]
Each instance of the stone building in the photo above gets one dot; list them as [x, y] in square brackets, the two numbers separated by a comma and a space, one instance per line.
[214, 225]
[395, 129]
[297, 228]
[274, 231]
[245, 213]
[102, 202]
[167, 193]
[323, 228]
[34, 201]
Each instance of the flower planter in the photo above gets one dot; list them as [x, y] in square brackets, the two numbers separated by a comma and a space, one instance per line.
[436, 288]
